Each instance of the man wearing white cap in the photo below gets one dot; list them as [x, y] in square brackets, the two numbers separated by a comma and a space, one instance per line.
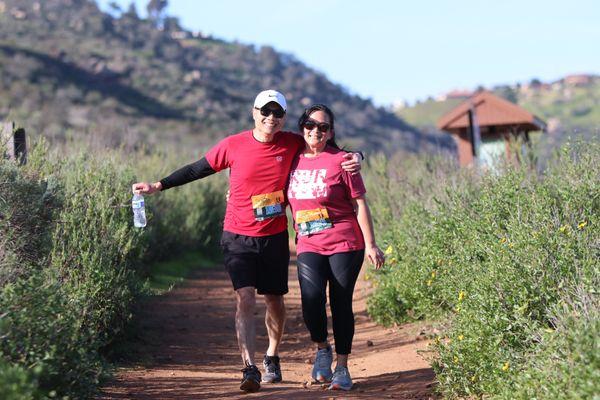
[255, 238]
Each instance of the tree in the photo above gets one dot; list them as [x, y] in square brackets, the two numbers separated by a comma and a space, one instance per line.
[156, 9]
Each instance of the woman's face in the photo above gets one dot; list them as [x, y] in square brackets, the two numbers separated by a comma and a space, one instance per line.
[317, 130]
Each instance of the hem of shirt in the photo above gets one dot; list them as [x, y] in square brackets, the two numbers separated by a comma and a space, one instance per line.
[253, 233]
[329, 252]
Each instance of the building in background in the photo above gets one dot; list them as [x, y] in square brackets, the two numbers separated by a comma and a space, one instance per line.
[485, 127]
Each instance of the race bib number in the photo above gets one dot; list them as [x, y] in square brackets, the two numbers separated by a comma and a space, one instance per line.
[268, 205]
[312, 221]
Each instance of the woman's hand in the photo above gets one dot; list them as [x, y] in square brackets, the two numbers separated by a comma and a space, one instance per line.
[352, 163]
[146, 188]
[375, 256]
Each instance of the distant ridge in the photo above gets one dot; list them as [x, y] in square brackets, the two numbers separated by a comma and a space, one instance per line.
[70, 70]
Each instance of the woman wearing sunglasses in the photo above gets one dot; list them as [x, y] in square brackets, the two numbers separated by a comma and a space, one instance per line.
[334, 232]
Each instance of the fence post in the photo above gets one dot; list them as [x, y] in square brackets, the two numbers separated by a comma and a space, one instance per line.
[15, 140]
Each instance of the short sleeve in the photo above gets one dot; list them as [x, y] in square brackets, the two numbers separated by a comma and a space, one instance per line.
[218, 156]
[354, 183]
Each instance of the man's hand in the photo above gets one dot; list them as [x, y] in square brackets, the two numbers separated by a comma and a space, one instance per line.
[352, 163]
[146, 188]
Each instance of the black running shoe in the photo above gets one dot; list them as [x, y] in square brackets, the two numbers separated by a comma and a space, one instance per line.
[272, 369]
[250, 379]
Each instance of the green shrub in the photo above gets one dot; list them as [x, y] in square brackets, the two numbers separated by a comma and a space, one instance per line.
[16, 383]
[490, 256]
[73, 265]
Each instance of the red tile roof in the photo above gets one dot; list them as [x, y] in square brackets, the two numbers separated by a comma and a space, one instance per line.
[490, 110]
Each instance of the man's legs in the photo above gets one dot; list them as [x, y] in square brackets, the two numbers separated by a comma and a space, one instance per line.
[245, 325]
[275, 321]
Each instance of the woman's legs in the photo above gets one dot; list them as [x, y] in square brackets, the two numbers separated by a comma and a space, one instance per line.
[345, 268]
[313, 271]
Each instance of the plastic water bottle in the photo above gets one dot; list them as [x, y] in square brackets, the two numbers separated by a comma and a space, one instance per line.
[139, 212]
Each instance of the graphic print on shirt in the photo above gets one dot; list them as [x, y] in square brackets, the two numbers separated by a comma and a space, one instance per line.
[307, 184]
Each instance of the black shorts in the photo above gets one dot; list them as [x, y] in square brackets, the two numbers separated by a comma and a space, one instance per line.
[260, 262]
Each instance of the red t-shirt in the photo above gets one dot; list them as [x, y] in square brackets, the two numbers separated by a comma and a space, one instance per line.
[257, 180]
[320, 194]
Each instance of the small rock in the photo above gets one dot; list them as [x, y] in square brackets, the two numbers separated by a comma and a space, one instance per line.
[369, 343]
[306, 384]
[308, 361]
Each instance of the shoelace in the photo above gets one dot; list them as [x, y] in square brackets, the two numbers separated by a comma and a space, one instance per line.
[270, 365]
[322, 361]
[341, 372]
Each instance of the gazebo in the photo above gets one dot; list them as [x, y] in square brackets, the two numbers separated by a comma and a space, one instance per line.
[484, 125]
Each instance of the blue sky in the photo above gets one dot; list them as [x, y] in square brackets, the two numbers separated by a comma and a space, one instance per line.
[400, 50]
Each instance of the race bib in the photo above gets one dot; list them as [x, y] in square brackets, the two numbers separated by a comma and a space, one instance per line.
[268, 205]
[312, 221]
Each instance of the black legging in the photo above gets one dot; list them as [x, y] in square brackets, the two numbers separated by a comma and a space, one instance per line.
[341, 271]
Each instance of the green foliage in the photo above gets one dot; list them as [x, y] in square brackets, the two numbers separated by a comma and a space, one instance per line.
[66, 299]
[16, 383]
[164, 275]
[494, 257]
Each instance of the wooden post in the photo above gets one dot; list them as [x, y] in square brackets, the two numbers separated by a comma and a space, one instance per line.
[15, 141]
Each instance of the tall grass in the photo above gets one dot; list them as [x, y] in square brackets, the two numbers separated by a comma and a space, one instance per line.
[505, 261]
[72, 265]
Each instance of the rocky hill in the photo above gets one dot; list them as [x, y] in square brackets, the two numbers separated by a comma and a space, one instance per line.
[67, 69]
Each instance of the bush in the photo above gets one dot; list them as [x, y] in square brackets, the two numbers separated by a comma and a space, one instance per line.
[73, 265]
[490, 256]
[16, 383]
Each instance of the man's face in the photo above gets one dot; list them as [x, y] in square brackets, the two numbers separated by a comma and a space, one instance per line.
[269, 124]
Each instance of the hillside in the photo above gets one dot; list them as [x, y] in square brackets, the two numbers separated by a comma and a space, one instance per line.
[569, 105]
[69, 70]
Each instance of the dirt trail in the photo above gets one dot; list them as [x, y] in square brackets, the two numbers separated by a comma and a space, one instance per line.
[190, 350]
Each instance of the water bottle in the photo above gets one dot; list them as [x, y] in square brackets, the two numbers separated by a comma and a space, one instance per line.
[139, 212]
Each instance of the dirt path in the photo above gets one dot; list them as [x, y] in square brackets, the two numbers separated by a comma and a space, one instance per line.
[189, 350]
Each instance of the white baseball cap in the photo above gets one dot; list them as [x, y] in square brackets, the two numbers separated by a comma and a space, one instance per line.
[267, 96]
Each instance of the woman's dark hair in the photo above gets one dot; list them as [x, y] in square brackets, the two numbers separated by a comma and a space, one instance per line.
[319, 107]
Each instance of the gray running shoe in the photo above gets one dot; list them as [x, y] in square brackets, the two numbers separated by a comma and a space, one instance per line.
[272, 369]
[321, 371]
[341, 379]
[250, 379]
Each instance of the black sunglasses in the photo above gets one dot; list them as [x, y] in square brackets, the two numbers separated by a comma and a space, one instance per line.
[277, 112]
[321, 126]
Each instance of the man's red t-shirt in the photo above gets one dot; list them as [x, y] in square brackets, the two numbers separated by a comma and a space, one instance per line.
[320, 194]
[257, 180]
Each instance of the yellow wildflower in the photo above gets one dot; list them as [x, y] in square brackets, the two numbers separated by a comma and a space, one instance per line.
[582, 225]
[429, 282]
[510, 245]
[461, 295]
[563, 228]
[506, 366]
[433, 274]
[461, 337]
[393, 260]
[455, 360]
[473, 378]
[503, 240]
[389, 250]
